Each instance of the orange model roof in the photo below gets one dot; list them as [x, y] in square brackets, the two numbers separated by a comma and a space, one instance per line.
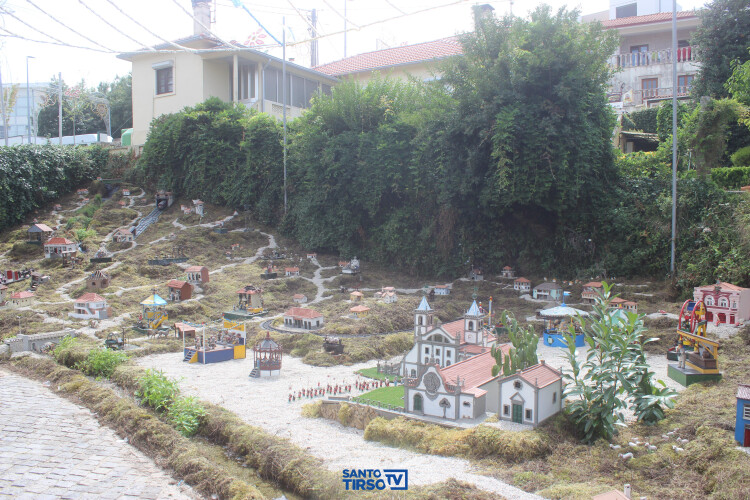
[22, 295]
[195, 269]
[594, 284]
[648, 19]
[522, 280]
[41, 227]
[59, 241]
[303, 312]
[358, 309]
[90, 297]
[474, 371]
[540, 375]
[722, 284]
[176, 284]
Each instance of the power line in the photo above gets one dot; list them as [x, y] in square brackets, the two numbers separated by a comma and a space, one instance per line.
[186, 49]
[29, 26]
[346, 20]
[65, 25]
[304, 18]
[389, 3]
[63, 44]
[113, 26]
[239, 3]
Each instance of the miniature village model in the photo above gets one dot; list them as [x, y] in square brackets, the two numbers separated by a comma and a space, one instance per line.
[303, 317]
[91, 306]
[697, 356]
[522, 285]
[725, 303]
[39, 233]
[249, 304]
[58, 247]
[557, 321]
[508, 273]
[351, 267]
[742, 424]
[153, 315]
[213, 344]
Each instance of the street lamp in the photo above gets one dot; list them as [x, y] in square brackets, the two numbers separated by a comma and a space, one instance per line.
[28, 96]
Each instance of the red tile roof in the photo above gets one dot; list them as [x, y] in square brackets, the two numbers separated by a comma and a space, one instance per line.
[475, 371]
[22, 295]
[357, 309]
[453, 328]
[59, 241]
[507, 268]
[176, 284]
[728, 286]
[649, 19]
[90, 297]
[396, 56]
[743, 391]
[522, 280]
[594, 284]
[299, 296]
[540, 375]
[195, 269]
[303, 313]
[357, 294]
[291, 269]
[474, 349]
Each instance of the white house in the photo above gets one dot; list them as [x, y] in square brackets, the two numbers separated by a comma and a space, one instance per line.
[508, 272]
[531, 396]
[55, 247]
[522, 285]
[198, 207]
[291, 271]
[122, 235]
[21, 299]
[442, 289]
[466, 389]
[90, 306]
[299, 298]
[448, 343]
[302, 317]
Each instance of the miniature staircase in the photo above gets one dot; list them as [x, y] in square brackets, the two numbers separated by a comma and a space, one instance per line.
[147, 221]
[188, 355]
[255, 373]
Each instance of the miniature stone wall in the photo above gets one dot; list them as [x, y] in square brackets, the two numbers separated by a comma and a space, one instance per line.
[37, 341]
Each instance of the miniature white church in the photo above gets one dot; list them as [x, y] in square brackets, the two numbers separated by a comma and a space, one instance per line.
[445, 344]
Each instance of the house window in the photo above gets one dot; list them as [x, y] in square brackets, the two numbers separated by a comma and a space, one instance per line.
[447, 363]
[437, 352]
[471, 325]
[746, 412]
[413, 373]
[427, 350]
[528, 414]
[506, 410]
[554, 397]
[466, 403]
[165, 80]
[649, 87]
[723, 302]
[734, 304]
[709, 301]
[420, 320]
[448, 353]
[683, 83]
[629, 10]
[517, 385]
[246, 83]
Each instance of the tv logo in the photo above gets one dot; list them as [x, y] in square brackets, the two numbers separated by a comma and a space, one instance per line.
[376, 479]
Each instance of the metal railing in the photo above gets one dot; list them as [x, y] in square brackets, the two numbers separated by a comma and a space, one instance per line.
[642, 96]
[652, 57]
[378, 404]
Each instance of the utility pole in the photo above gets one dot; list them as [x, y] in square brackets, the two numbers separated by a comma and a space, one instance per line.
[314, 43]
[674, 137]
[28, 97]
[5, 116]
[345, 29]
[59, 107]
[283, 90]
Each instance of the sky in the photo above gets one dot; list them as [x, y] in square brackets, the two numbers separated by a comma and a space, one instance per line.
[371, 24]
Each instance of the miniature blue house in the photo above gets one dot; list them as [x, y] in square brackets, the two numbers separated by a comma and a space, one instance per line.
[742, 427]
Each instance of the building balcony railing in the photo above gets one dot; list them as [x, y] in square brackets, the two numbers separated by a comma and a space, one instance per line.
[644, 96]
[653, 57]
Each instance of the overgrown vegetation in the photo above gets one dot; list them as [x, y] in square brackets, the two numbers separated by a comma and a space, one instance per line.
[101, 362]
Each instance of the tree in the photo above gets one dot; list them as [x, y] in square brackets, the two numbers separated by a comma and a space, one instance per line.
[523, 353]
[723, 37]
[614, 375]
[119, 93]
[707, 129]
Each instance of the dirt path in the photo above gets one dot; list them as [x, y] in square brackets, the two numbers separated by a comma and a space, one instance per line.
[264, 403]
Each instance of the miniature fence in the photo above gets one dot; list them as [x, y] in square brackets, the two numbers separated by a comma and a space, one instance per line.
[389, 368]
[378, 404]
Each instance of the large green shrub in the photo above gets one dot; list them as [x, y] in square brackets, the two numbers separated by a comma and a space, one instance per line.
[731, 177]
[643, 120]
[33, 175]
[101, 362]
[741, 157]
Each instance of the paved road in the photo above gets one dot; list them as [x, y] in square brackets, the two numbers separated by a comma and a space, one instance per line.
[52, 448]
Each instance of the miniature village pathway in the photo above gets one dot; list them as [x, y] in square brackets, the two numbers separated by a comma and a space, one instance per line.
[51, 448]
[264, 403]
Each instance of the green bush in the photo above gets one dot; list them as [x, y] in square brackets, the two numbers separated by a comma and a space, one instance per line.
[644, 120]
[186, 414]
[731, 177]
[157, 390]
[741, 157]
[101, 362]
[72, 350]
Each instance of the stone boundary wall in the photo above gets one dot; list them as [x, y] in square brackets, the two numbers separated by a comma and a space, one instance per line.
[35, 342]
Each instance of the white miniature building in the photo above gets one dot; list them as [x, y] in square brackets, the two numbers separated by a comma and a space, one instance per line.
[522, 285]
[476, 275]
[198, 207]
[508, 272]
[21, 299]
[387, 294]
[466, 389]
[291, 271]
[299, 298]
[445, 344]
[55, 247]
[90, 306]
[3, 288]
[122, 235]
[302, 317]
[126, 192]
[531, 396]
[442, 289]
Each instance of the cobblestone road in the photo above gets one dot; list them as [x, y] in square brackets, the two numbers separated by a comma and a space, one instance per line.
[51, 448]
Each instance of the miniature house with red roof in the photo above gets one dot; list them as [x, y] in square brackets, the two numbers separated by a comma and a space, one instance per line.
[122, 235]
[21, 299]
[591, 291]
[620, 303]
[90, 306]
[39, 233]
[725, 303]
[198, 207]
[299, 298]
[522, 285]
[359, 311]
[291, 271]
[448, 343]
[466, 389]
[56, 247]
[302, 317]
[476, 274]
[197, 275]
[508, 272]
[531, 396]
[179, 290]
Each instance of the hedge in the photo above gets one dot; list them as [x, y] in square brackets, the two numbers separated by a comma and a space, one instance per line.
[731, 177]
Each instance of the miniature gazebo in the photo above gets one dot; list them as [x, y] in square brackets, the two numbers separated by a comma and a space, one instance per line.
[154, 312]
[557, 320]
[266, 358]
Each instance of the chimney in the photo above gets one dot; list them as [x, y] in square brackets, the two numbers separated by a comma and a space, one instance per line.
[201, 15]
